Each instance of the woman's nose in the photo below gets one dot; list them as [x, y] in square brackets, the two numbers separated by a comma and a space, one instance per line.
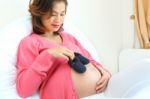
[58, 18]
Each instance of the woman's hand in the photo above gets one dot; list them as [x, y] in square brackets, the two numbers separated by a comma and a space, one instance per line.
[102, 83]
[61, 52]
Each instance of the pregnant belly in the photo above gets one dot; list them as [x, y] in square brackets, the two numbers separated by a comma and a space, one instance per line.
[85, 83]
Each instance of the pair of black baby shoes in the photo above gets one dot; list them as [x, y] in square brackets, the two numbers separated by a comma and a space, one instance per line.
[78, 63]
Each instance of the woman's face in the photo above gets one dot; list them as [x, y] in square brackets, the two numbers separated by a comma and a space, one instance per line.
[54, 22]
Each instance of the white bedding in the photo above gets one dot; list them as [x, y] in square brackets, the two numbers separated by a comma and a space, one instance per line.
[144, 93]
[130, 57]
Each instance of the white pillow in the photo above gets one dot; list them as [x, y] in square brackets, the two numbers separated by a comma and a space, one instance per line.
[129, 57]
[10, 37]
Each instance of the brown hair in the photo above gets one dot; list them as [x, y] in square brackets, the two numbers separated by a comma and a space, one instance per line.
[39, 8]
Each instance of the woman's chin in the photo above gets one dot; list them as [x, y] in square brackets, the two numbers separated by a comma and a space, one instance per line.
[55, 29]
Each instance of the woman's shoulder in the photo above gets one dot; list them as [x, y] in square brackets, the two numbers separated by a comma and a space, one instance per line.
[29, 40]
[68, 35]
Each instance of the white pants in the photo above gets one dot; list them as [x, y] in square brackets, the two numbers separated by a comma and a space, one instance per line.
[130, 81]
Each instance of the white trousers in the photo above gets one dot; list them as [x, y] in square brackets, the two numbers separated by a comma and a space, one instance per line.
[129, 82]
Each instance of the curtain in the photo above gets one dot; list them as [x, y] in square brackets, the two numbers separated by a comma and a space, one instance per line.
[142, 22]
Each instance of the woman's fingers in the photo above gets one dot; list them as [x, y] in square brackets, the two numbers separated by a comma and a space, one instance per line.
[101, 86]
[61, 52]
[101, 89]
[101, 80]
[102, 83]
[68, 53]
[65, 57]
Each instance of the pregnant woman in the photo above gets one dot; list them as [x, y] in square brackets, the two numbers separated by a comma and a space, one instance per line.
[43, 58]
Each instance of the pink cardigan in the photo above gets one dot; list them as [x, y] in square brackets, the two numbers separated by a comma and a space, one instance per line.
[38, 70]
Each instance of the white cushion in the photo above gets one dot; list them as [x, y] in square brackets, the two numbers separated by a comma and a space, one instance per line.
[10, 37]
[9, 40]
[129, 57]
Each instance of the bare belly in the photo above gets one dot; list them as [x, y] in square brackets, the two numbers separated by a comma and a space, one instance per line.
[85, 83]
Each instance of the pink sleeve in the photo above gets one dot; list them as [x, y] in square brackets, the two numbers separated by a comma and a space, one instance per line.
[32, 67]
[87, 55]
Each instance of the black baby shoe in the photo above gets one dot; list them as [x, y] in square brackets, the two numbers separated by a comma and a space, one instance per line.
[77, 65]
[82, 59]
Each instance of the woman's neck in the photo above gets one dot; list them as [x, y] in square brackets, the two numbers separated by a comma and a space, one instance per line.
[49, 34]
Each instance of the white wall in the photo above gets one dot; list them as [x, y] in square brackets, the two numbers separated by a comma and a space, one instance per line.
[11, 10]
[100, 20]
[127, 24]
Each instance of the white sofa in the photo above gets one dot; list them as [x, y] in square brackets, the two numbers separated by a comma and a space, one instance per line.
[137, 57]
[130, 56]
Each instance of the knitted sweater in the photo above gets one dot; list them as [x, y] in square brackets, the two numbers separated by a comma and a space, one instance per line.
[37, 70]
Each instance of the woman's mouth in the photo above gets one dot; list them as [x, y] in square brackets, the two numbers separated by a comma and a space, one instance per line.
[55, 25]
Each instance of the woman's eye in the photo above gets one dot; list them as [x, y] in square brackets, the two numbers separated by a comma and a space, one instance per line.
[62, 14]
[54, 15]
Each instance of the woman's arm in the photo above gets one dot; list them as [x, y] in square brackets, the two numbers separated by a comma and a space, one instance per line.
[32, 67]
